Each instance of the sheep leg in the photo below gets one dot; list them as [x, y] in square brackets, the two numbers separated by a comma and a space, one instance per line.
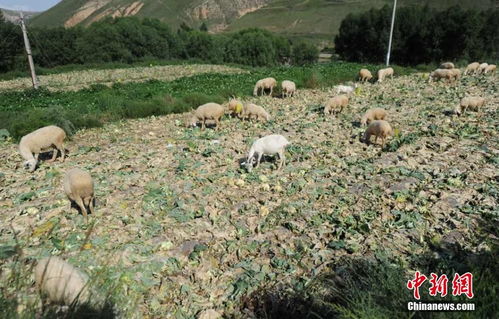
[91, 205]
[258, 159]
[217, 124]
[63, 153]
[83, 210]
[270, 91]
[282, 159]
[54, 155]
[36, 156]
[203, 124]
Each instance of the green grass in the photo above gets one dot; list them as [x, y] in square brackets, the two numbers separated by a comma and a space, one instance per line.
[25, 111]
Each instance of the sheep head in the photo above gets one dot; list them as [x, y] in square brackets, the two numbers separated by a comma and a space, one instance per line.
[30, 165]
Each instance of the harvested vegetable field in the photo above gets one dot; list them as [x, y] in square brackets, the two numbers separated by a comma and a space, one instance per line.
[181, 230]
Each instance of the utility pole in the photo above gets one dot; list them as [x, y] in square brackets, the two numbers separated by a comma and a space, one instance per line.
[28, 51]
[391, 34]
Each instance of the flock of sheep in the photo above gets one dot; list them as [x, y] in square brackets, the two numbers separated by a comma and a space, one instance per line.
[70, 285]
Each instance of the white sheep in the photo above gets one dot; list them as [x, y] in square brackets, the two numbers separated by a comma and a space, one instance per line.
[472, 68]
[456, 74]
[40, 140]
[373, 114]
[383, 73]
[473, 103]
[441, 74]
[365, 75]
[288, 88]
[482, 67]
[491, 68]
[61, 282]
[336, 104]
[380, 129]
[447, 65]
[268, 145]
[251, 110]
[345, 89]
[264, 84]
[79, 187]
[208, 111]
[235, 107]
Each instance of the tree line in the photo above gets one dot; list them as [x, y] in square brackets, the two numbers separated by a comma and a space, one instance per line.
[421, 35]
[130, 39]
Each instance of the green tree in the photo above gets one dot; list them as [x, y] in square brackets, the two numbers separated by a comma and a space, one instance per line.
[304, 53]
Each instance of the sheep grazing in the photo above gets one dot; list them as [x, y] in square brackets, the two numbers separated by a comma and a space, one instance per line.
[79, 188]
[288, 88]
[255, 111]
[473, 103]
[491, 68]
[336, 104]
[447, 65]
[345, 89]
[482, 67]
[264, 84]
[235, 107]
[40, 140]
[61, 283]
[373, 114]
[268, 145]
[383, 73]
[472, 68]
[456, 74]
[365, 75]
[441, 74]
[208, 111]
[380, 129]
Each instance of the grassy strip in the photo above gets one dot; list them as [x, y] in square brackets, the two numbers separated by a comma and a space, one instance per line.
[24, 111]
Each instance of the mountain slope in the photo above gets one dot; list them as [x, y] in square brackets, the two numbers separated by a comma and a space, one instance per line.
[13, 16]
[316, 18]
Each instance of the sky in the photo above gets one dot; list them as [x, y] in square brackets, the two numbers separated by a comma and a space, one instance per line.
[28, 5]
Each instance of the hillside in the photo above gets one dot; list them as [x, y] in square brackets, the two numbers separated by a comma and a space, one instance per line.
[13, 16]
[180, 228]
[317, 18]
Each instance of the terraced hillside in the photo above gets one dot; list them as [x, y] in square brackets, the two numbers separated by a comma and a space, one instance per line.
[181, 229]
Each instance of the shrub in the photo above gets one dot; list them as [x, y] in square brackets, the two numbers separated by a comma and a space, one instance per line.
[304, 53]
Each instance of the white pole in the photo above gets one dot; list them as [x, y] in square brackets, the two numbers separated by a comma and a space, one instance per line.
[391, 33]
[28, 52]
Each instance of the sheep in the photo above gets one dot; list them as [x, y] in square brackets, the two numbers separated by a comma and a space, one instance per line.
[491, 68]
[373, 114]
[252, 110]
[336, 104]
[61, 282]
[456, 74]
[79, 187]
[42, 139]
[472, 68]
[345, 89]
[269, 145]
[482, 67]
[447, 65]
[208, 111]
[235, 107]
[474, 103]
[378, 128]
[383, 73]
[441, 74]
[365, 75]
[288, 88]
[264, 84]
